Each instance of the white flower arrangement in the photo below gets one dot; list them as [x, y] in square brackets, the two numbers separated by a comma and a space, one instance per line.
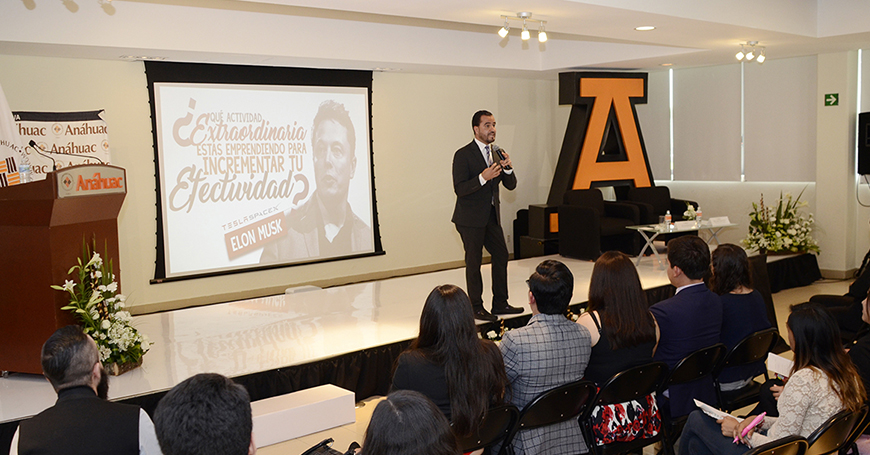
[781, 229]
[690, 213]
[100, 309]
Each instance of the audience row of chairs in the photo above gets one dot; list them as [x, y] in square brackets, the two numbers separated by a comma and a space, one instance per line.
[579, 399]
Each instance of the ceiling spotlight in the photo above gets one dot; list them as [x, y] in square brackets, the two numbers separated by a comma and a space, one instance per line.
[750, 55]
[503, 31]
[542, 34]
[525, 35]
[741, 54]
[761, 58]
[645, 28]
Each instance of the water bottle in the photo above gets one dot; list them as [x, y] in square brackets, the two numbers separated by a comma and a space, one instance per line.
[668, 219]
[698, 215]
[24, 173]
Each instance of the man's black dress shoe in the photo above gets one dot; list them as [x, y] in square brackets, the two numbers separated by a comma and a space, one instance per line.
[484, 315]
[506, 309]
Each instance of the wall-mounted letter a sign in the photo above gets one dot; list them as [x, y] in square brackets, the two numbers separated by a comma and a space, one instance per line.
[603, 145]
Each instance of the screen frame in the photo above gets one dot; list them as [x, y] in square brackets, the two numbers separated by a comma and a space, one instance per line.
[203, 73]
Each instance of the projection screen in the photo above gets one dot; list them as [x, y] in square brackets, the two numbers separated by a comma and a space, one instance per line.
[258, 175]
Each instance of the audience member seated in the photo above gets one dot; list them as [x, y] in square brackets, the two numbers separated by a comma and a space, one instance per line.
[406, 422]
[448, 363]
[743, 309]
[688, 321]
[623, 335]
[846, 309]
[547, 352]
[82, 421]
[860, 351]
[822, 382]
[205, 414]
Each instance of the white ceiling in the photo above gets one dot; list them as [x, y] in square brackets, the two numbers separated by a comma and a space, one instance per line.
[432, 36]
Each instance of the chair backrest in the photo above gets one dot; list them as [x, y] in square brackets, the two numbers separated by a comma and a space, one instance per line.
[657, 196]
[557, 405]
[789, 445]
[860, 427]
[761, 283]
[696, 365]
[495, 426]
[591, 198]
[630, 384]
[834, 433]
[749, 350]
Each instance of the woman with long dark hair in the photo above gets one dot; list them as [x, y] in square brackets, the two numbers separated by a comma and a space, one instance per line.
[822, 382]
[462, 374]
[743, 309]
[405, 423]
[623, 335]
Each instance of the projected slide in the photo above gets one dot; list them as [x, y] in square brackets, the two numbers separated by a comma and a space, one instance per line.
[254, 175]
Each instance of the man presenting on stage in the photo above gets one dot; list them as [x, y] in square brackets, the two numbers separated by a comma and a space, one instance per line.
[477, 172]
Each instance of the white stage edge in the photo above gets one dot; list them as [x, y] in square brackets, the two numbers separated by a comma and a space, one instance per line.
[250, 336]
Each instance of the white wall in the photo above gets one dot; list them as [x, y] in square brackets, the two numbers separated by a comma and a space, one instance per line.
[418, 122]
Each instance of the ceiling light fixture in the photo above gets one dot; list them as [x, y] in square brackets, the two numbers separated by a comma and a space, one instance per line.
[645, 28]
[503, 31]
[526, 34]
[749, 51]
[542, 34]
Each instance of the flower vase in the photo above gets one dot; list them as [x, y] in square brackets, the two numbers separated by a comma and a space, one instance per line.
[116, 369]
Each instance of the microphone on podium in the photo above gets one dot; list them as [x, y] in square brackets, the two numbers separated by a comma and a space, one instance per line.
[38, 148]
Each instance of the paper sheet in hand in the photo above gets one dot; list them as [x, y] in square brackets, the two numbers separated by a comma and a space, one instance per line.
[713, 412]
[779, 364]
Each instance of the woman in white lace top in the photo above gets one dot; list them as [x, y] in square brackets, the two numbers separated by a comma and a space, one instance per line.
[823, 381]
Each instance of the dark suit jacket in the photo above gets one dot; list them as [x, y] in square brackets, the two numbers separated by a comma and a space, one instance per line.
[81, 423]
[688, 321]
[473, 200]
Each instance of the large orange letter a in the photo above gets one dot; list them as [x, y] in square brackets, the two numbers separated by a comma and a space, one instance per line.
[603, 145]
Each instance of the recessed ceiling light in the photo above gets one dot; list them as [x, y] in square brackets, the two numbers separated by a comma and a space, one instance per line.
[645, 28]
[667, 64]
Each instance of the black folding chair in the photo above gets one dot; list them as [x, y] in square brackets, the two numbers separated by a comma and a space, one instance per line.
[552, 406]
[789, 445]
[859, 429]
[835, 432]
[632, 384]
[495, 426]
[749, 350]
[695, 366]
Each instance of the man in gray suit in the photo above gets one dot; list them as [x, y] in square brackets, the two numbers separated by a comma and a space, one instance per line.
[548, 352]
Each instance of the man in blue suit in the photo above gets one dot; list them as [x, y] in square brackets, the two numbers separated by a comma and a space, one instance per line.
[688, 321]
[477, 174]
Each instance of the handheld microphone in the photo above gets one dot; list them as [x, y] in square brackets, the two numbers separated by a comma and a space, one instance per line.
[37, 148]
[501, 156]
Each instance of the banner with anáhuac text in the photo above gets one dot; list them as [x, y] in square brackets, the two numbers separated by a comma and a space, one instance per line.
[63, 139]
[11, 150]
[254, 175]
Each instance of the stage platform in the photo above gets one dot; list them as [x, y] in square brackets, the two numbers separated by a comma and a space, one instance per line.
[244, 339]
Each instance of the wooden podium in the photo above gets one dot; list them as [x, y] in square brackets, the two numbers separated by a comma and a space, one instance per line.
[42, 226]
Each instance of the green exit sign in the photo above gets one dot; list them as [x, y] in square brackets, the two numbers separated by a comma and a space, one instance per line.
[832, 99]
